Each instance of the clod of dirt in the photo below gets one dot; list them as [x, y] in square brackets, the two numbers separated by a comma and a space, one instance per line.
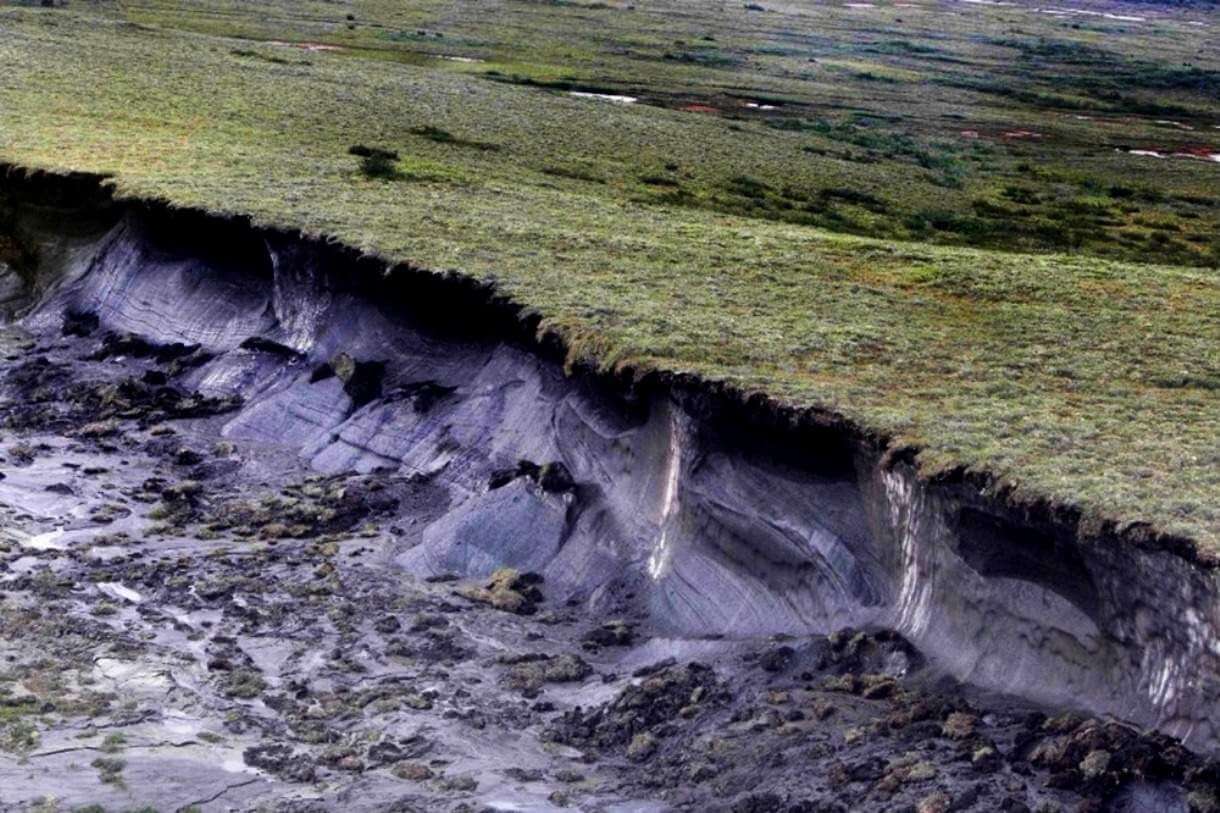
[530, 672]
[136, 346]
[79, 323]
[649, 707]
[508, 590]
[642, 746]
[553, 478]
[612, 633]
[280, 760]
[260, 344]
[361, 379]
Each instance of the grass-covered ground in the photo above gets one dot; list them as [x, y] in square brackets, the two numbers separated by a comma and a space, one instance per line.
[820, 201]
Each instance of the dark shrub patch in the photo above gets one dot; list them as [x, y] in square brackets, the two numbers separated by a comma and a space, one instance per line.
[376, 162]
[445, 137]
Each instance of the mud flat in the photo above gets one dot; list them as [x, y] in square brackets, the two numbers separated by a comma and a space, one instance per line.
[285, 528]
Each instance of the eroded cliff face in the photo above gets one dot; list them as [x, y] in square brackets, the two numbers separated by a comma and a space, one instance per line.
[697, 515]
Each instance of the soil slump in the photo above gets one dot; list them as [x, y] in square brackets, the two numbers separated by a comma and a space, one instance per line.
[283, 530]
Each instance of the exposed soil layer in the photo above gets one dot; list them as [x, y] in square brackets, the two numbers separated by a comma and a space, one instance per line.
[285, 528]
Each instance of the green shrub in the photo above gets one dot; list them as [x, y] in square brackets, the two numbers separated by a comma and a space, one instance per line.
[376, 162]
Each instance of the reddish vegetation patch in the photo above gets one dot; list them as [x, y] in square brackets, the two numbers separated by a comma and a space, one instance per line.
[970, 133]
[1198, 151]
[700, 108]
[306, 46]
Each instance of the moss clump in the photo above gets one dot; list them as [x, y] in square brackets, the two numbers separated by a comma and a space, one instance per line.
[244, 684]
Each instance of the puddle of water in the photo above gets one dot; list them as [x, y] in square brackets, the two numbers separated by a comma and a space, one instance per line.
[605, 97]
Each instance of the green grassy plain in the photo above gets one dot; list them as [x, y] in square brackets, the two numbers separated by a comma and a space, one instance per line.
[927, 224]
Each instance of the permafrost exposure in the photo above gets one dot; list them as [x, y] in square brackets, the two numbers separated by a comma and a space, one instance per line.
[263, 496]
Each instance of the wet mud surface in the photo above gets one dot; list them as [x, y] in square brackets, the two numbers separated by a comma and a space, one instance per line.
[192, 621]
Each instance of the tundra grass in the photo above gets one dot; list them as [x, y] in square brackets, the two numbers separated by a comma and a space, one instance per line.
[816, 246]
